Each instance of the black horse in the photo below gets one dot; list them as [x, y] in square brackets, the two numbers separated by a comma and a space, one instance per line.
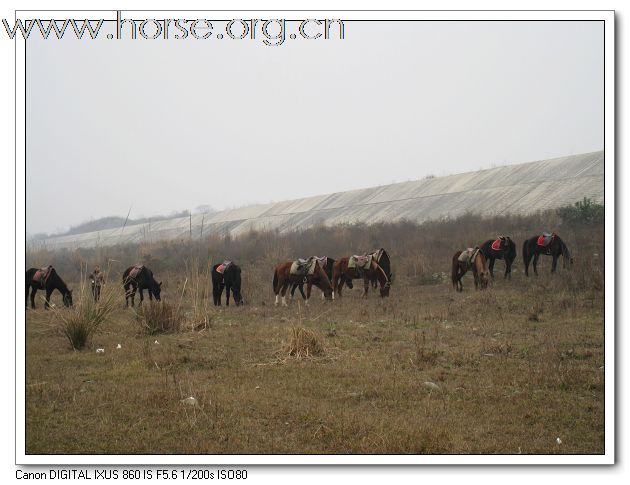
[139, 277]
[228, 277]
[502, 248]
[329, 270]
[46, 279]
[555, 248]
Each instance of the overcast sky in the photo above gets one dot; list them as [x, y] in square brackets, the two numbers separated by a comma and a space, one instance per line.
[161, 126]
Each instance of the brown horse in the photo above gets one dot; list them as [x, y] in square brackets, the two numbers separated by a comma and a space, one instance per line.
[342, 272]
[283, 279]
[477, 263]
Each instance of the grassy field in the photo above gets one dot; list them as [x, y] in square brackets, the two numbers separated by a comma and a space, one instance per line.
[428, 370]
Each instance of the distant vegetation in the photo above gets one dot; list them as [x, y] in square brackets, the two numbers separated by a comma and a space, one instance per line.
[112, 222]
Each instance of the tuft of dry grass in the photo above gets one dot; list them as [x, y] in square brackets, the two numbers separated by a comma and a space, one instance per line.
[159, 317]
[82, 321]
[302, 343]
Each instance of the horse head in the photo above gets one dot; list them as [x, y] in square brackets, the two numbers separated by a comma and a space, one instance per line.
[483, 273]
[67, 299]
[320, 279]
[236, 286]
[385, 289]
[157, 289]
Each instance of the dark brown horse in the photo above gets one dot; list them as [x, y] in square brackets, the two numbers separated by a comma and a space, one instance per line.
[476, 262]
[139, 277]
[282, 279]
[555, 247]
[501, 248]
[341, 271]
[46, 279]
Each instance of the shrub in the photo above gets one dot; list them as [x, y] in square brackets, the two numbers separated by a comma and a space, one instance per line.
[583, 211]
[81, 321]
[159, 317]
[302, 342]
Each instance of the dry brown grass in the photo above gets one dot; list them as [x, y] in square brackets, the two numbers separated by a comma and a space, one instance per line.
[507, 383]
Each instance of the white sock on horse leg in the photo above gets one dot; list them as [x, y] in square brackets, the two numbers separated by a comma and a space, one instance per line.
[277, 299]
[284, 301]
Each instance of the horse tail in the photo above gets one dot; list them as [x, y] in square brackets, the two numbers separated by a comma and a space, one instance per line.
[455, 269]
[275, 280]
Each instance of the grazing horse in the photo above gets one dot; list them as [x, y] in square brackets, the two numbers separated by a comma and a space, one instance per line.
[46, 279]
[554, 247]
[501, 248]
[373, 271]
[382, 258]
[139, 277]
[97, 279]
[327, 264]
[226, 275]
[283, 278]
[471, 259]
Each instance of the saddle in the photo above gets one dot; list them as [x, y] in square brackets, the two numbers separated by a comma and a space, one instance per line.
[223, 266]
[545, 239]
[303, 267]
[360, 261]
[500, 241]
[468, 256]
[41, 275]
[135, 271]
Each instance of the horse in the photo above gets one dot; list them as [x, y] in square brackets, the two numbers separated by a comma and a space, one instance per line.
[97, 279]
[46, 279]
[282, 278]
[382, 258]
[341, 271]
[328, 267]
[139, 277]
[501, 248]
[555, 249]
[477, 262]
[226, 275]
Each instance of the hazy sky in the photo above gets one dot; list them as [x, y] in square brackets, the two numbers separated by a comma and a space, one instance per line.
[161, 126]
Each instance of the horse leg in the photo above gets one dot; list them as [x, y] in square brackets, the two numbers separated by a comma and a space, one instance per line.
[27, 288]
[508, 270]
[293, 287]
[554, 263]
[141, 295]
[309, 287]
[283, 292]
[535, 263]
[47, 301]
[366, 286]
[150, 292]
[33, 291]
[227, 295]
[491, 267]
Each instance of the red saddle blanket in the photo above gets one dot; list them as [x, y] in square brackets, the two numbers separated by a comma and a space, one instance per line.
[545, 239]
[223, 266]
[41, 275]
[496, 245]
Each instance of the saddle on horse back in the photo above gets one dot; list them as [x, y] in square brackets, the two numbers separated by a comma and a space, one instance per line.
[41, 275]
[135, 271]
[223, 266]
[359, 262]
[303, 267]
[500, 241]
[468, 256]
[545, 239]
